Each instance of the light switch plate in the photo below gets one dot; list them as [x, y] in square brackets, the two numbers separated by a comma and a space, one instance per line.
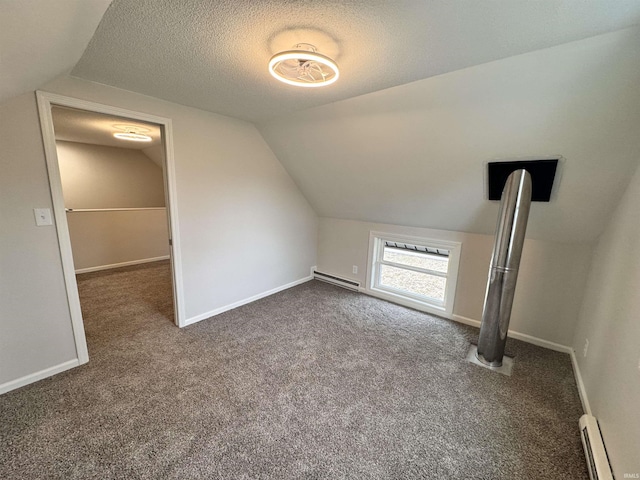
[43, 216]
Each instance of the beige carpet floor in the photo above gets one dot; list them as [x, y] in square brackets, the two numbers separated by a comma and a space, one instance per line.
[314, 382]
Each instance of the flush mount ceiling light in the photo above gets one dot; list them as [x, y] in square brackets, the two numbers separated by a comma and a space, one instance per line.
[303, 66]
[132, 136]
[132, 133]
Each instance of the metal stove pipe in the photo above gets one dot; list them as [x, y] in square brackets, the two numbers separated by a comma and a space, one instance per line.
[503, 273]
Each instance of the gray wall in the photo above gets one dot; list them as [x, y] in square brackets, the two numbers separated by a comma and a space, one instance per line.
[35, 324]
[610, 320]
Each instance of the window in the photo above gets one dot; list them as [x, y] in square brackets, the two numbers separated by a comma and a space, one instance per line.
[417, 272]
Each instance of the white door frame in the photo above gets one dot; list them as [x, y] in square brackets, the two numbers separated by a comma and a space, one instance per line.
[45, 101]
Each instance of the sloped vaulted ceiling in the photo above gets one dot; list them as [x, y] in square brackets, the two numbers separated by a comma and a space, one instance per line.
[213, 54]
[414, 154]
[41, 39]
[491, 80]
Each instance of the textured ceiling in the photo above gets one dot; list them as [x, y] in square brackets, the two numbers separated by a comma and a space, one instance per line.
[41, 39]
[74, 125]
[415, 154]
[213, 54]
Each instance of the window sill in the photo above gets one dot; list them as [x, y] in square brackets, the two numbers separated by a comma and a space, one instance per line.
[408, 302]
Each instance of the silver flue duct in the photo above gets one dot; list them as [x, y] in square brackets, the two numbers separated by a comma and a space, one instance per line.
[503, 272]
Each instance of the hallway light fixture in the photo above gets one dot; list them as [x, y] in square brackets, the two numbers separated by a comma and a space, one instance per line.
[132, 134]
[303, 66]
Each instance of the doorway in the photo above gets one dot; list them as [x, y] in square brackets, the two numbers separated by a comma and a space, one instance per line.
[114, 198]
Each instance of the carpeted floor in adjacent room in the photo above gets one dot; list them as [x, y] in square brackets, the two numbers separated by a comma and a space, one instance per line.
[313, 382]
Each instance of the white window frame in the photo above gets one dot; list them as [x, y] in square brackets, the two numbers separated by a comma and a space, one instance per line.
[419, 302]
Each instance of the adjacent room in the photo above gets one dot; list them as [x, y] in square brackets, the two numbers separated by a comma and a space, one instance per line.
[114, 199]
[320, 239]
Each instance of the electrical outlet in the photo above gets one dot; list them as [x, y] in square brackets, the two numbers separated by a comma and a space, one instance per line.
[355, 269]
[586, 348]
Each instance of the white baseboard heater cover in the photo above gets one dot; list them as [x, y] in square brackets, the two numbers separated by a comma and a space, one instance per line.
[597, 460]
[340, 282]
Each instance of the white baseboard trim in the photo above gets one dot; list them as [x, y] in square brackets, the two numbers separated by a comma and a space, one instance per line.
[472, 322]
[582, 391]
[518, 336]
[466, 320]
[558, 347]
[34, 377]
[218, 311]
[122, 264]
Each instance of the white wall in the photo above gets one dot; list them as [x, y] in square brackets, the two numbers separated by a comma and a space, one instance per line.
[244, 226]
[102, 239]
[155, 154]
[414, 154]
[610, 320]
[96, 176]
[35, 324]
[550, 283]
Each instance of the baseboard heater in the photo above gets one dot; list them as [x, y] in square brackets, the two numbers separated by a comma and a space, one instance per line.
[340, 282]
[597, 460]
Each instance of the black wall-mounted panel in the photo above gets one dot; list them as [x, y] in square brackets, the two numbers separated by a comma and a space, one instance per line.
[543, 172]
